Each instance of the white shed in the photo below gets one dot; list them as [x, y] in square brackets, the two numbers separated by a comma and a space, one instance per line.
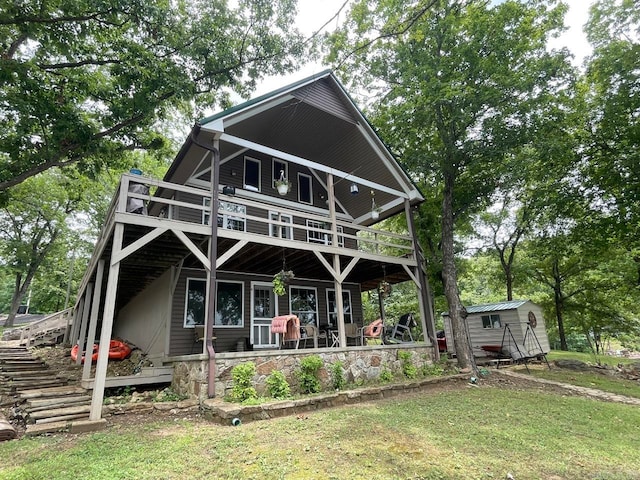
[496, 325]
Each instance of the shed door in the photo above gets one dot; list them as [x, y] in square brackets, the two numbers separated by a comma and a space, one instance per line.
[263, 309]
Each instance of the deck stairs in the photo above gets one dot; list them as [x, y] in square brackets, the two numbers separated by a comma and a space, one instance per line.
[42, 400]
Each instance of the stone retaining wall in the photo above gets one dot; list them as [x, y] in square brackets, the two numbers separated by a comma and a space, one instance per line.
[361, 365]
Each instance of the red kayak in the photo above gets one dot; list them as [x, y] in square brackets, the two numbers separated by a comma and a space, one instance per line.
[117, 351]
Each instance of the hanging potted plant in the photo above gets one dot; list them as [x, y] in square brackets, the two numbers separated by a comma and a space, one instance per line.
[282, 184]
[385, 289]
[281, 280]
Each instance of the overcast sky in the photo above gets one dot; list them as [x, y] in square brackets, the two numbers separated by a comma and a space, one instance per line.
[312, 14]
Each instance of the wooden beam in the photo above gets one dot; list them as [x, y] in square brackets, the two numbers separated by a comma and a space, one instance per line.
[107, 326]
[326, 264]
[93, 320]
[138, 244]
[83, 325]
[193, 248]
[222, 259]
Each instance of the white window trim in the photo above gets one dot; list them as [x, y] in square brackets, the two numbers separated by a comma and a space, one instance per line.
[304, 175]
[226, 215]
[316, 226]
[186, 301]
[244, 175]
[304, 287]
[491, 322]
[276, 171]
[329, 312]
[281, 217]
[241, 325]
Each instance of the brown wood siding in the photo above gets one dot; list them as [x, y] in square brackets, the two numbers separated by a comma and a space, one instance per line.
[227, 338]
[321, 95]
[186, 214]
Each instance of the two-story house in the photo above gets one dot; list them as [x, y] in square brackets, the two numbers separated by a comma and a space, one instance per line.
[300, 182]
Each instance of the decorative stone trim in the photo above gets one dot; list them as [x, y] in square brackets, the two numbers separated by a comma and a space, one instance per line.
[361, 364]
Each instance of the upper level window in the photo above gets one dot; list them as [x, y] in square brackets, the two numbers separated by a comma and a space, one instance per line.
[318, 233]
[280, 167]
[491, 321]
[304, 189]
[251, 174]
[281, 231]
[227, 220]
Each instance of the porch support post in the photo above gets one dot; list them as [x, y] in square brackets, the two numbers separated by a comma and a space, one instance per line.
[77, 320]
[336, 263]
[426, 309]
[107, 326]
[93, 320]
[83, 325]
[213, 251]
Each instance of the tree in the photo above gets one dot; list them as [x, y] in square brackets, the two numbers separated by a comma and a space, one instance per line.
[32, 223]
[612, 145]
[84, 81]
[461, 85]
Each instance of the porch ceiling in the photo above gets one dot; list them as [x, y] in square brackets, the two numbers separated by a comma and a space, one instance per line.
[141, 268]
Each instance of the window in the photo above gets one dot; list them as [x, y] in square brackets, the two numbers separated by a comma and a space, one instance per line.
[319, 232]
[229, 303]
[194, 309]
[491, 321]
[304, 304]
[280, 231]
[227, 220]
[332, 308]
[279, 166]
[251, 174]
[304, 189]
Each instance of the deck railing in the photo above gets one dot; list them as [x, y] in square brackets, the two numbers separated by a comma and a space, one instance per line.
[54, 321]
[246, 213]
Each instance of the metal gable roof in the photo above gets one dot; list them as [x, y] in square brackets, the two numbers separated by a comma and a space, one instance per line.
[493, 307]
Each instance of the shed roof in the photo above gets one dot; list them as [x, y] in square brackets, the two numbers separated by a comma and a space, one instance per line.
[493, 307]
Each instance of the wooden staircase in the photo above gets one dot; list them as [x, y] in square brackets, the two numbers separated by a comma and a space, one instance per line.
[45, 402]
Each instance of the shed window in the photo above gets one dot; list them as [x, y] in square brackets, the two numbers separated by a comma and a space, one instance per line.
[251, 174]
[491, 321]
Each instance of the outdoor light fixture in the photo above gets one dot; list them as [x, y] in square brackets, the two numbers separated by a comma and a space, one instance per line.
[375, 210]
[229, 190]
[354, 189]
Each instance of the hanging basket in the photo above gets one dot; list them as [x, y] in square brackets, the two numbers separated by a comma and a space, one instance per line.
[281, 280]
[384, 289]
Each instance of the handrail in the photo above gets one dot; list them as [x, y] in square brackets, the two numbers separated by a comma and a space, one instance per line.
[49, 322]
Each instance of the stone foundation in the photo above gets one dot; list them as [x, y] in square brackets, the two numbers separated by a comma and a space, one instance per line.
[361, 365]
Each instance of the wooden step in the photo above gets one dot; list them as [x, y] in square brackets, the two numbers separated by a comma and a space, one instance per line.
[25, 373]
[79, 416]
[59, 412]
[60, 402]
[31, 384]
[59, 426]
[52, 392]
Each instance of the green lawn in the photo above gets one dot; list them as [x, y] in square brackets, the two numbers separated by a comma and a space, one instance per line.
[589, 358]
[464, 432]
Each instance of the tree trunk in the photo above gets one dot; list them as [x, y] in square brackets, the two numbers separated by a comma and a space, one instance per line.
[457, 312]
[557, 294]
[16, 299]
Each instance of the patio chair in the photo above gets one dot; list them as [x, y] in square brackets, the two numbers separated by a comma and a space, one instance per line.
[373, 331]
[351, 332]
[402, 330]
[310, 332]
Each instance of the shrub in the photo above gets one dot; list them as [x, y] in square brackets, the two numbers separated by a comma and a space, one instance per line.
[277, 385]
[242, 376]
[386, 375]
[408, 368]
[337, 376]
[308, 374]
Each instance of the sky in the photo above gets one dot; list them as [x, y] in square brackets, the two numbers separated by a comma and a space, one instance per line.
[312, 14]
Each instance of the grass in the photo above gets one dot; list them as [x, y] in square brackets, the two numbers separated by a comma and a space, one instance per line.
[598, 379]
[480, 432]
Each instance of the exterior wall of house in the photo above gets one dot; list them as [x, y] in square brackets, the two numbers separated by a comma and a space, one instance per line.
[360, 364]
[517, 320]
[143, 321]
[227, 337]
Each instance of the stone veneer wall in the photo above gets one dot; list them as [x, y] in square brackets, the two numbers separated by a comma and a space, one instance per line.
[361, 364]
